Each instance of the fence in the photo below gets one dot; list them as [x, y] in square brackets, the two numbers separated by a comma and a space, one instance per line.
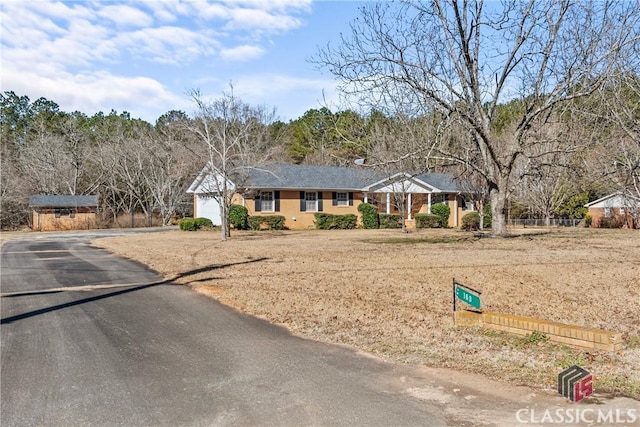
[541, 222]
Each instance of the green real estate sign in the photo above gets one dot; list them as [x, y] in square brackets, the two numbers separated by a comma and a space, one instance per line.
[466, 296]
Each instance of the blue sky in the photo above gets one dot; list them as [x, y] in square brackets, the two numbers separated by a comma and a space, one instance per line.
[143, 56]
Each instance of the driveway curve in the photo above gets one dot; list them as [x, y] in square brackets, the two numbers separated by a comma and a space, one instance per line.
[91, 339]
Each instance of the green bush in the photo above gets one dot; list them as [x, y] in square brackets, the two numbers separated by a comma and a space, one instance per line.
[390, 220]
[187, 224]
[471, 221]
[488, 216]
[266, 222]
[325, 221]
[203, 223]
[443, 211]
[588, 220]
[239, 217]
[194, 224]
[370, 218]
[611, 222]
[427, 220]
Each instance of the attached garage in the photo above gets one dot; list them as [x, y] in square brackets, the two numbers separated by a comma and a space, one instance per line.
[206, 206]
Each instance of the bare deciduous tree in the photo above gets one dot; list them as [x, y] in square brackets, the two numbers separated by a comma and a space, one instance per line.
[463, 59]
[236, 137]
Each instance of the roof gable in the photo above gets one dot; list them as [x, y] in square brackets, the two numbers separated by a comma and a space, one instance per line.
[423, 183]
[615, 200]
[206, 183]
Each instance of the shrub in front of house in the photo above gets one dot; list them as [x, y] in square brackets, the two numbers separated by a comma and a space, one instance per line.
[471, 221]
[424, 220]
[370, 218]
[194, 224]
[390, 220]
[201, 223]
[266, 222]
[443, 211]
[588, 219]
[611, 222]
[187, 224]
[239, 217]
[326, 221]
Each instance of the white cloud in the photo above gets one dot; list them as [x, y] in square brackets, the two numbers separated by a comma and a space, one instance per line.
[292, 95]
[96, 55]
[282, 6]
[143, 97]
[172, 45]
[256, 19]
[241, 53]
[125, 16]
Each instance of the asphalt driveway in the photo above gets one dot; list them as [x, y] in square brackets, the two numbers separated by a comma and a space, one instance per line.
[91, 339]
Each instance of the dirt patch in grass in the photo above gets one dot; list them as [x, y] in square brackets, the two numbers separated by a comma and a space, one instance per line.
[390, 293]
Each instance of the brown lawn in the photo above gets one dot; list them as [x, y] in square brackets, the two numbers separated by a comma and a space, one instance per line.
[390, 294]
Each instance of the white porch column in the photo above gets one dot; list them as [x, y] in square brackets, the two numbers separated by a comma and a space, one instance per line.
[409, 205]
[455, 210]
[388, 203]
[366, 197]
[429, 203]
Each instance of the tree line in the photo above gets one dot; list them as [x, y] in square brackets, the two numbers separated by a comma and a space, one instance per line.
[533, 106]
[138, 167]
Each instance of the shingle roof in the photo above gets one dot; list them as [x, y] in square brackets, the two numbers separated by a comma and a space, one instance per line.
[284, 176]
[65, 201]
[442, 181]
[306, 177]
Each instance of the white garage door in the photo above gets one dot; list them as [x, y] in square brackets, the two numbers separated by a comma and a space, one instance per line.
[208, 207]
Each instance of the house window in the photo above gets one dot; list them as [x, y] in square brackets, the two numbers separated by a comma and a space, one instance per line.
[621, 211]
[607, 212]
[266, 201]
[311, 201]
[64, 212]
[342, 199]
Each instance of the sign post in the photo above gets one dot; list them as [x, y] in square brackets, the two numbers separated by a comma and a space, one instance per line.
[467, 295]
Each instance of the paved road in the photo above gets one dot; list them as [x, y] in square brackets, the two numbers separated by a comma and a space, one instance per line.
[91, 339]
[154, 353]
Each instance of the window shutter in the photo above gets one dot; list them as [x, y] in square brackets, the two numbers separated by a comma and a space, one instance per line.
[276, 202]
[350, 198]
[257, 207]
[319, 201]
[303, 202]
[334, 199]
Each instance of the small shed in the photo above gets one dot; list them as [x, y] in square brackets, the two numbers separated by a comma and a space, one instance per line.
[615, 210]
[63, 212]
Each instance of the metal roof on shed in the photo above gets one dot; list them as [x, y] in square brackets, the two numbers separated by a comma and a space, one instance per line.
[62, 201]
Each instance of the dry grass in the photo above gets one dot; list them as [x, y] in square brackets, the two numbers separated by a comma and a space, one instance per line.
[390, 293]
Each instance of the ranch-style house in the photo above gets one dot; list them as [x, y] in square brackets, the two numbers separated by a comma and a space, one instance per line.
[297, 192]
[618, 207]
